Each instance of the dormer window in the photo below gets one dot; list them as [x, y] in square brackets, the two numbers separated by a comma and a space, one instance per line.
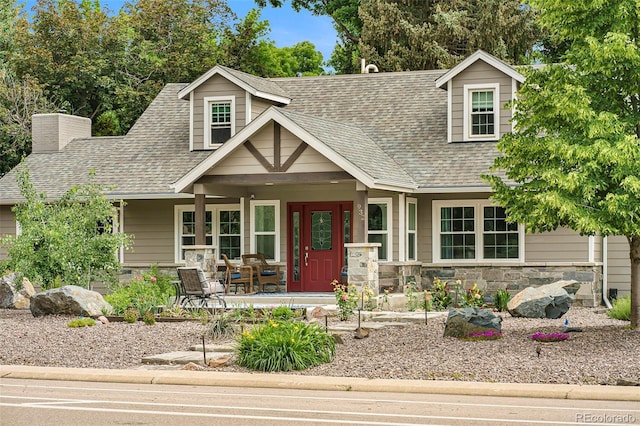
[482, 114]
[219, 120]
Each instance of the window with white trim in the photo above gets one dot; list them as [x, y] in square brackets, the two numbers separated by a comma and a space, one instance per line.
[219, 120]
[379, 226]
[265, 228]
[412, 228]
[482, 112]
[226, 231]
[474, 230]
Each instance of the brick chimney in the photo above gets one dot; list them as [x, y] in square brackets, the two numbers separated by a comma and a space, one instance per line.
[52, 132]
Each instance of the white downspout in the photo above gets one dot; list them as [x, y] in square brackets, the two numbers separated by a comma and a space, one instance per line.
[605, 274]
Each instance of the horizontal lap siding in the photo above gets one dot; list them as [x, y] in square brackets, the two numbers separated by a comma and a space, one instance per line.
[151, 222]
[7, 226]
[561, 245]
[619, 265]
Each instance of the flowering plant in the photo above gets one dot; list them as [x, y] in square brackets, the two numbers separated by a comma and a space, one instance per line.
[474, 297]
[440, 295]
[550, 337]
[484, 335]
[346, 299]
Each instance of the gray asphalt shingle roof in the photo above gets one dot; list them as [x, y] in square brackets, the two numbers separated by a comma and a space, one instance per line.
[393, 126]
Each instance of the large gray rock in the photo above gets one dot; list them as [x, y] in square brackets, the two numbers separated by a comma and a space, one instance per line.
[15, 296]
[68, 300]
[464, 321]
[546, 301]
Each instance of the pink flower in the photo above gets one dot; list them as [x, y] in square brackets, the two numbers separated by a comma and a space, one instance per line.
[344, 296]
[153, 279]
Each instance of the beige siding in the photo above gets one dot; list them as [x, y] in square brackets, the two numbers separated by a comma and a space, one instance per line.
[216, 86]
[242, 159]
[478, 73]
[258, 106]
[7, 225]
[151, 222]
[561, 245]
[619, 265]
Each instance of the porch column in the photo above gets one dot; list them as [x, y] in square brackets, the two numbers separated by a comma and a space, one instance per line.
[362, 262]
[201, 228]
[360, 214]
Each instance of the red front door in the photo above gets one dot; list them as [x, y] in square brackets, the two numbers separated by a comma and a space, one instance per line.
[316, 237]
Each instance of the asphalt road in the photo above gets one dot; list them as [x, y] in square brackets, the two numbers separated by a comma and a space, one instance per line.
[43, 402]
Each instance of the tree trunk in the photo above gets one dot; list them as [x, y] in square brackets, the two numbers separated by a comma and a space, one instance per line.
[634, 254]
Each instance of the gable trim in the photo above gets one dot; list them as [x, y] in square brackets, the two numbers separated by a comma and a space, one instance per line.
[483, 56]
[273, 114]
[238, 82]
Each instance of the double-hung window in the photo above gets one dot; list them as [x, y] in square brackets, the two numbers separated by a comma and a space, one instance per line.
[219, 120]
[379, 226]
[474, 230]
[265, 228]
[482, 112]
[222, 226]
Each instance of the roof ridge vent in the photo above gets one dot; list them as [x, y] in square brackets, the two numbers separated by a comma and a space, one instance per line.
[366, 69]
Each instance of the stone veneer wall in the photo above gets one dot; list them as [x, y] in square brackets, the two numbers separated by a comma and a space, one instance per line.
[516, 278]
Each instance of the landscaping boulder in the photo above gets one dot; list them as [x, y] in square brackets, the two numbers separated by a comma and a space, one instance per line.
[68, 300]
[14, 295]
[464, 321]
[546, 301]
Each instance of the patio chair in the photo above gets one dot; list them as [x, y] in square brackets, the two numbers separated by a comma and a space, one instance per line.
[238, 275]
[264, 273]
[196, 288]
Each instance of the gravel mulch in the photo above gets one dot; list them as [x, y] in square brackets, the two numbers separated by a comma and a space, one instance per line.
[606, 351]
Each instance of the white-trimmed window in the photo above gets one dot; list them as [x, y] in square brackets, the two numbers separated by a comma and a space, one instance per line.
[482, 111]
[226, 231]
[219, 120]
[412, 229]
[265, 228]
[379, 226]
[475, 230]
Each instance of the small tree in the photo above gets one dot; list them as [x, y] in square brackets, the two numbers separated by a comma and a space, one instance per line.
[575, 154]
[67, 241]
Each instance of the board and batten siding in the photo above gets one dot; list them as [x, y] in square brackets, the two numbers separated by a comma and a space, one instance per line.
[478, 73]
[618, 265]
[151, 222]
[216, 86]
[242, 161]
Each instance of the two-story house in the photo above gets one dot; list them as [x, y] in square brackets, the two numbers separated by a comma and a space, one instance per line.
[294, 168]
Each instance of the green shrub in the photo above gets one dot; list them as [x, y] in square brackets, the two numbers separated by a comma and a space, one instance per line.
[131, 315]
[81, 322]
[621, 309]
[144, 292]
[440, 295]
[284, 346]
[282, 313]
[149, 318]
[501, 299]
[473, 297]
[220, 326]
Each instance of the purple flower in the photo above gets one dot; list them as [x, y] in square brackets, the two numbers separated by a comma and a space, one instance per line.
[484, 335]
[550, 337]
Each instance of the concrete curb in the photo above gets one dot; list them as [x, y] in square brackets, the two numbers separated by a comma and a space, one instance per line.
[287, 381]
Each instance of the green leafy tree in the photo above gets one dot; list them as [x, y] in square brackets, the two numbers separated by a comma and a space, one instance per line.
[67, 241]
[575, 154]
[19, 100]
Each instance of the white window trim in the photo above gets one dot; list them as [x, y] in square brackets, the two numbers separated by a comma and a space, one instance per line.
[207, 118]
[415, 231]
[389, 233]
[478, 226]
[252, 225]
[468, 88]
[215, 212]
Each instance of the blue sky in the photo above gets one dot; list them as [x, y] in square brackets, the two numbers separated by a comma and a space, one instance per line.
[288, 27]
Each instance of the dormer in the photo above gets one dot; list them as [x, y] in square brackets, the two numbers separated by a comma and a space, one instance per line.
[477, 90]
[223, 101]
